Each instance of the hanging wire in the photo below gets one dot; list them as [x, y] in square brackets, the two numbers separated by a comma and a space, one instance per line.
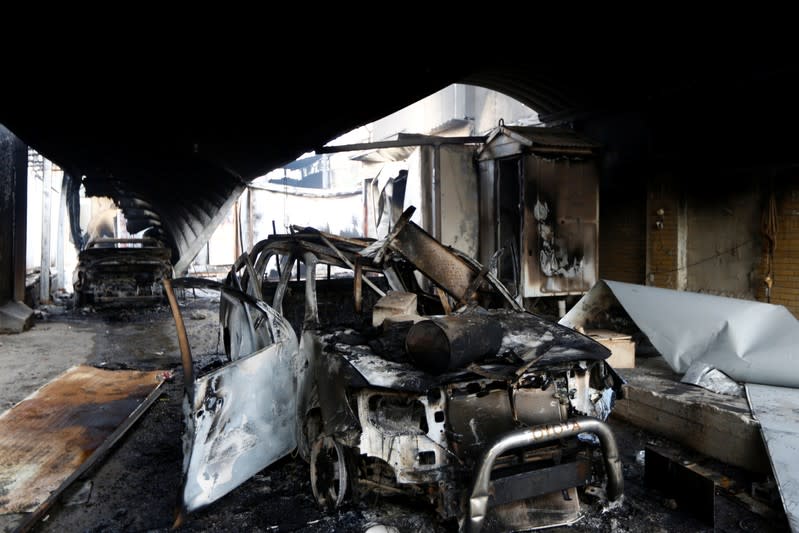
[769, 229]
[706, 259]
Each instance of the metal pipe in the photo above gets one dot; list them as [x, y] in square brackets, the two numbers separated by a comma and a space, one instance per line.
[357, 287]
[285, 276]
[365, 193]
[478, 501]
[277, 258]
[311, 320]
[349, 264]
[255, 280]
[183, 341]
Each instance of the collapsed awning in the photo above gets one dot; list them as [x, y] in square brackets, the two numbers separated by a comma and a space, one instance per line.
[749, 341]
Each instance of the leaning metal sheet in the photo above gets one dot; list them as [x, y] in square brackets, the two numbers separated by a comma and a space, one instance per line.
[434, 259]
[749, 341]
[48, 435]
[777, 410]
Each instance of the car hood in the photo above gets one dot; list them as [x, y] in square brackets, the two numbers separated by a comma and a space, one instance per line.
[528, 341]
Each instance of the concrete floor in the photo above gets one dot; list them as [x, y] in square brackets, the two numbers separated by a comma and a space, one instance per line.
[136, 487]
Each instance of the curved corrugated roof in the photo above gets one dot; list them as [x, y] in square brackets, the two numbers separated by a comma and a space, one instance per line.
[173, 139]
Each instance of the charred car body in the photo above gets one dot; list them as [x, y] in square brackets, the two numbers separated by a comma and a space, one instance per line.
[491, 414]
[123, 271]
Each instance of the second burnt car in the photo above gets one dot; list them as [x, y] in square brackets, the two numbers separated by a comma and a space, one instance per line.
[418, 375]
[121, 271]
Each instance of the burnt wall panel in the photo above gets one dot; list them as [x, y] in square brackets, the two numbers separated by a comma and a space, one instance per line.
[561, 226]
[724, 242]
[726, 252]
[622, 235]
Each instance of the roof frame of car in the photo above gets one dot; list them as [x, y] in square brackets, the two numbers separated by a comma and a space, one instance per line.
[407, 242]
[145, 240]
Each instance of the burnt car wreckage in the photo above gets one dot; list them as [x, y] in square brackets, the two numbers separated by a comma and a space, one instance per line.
[493, 415]
[121, 271]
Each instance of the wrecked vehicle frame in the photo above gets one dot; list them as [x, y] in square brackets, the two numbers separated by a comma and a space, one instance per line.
[503, 438]
[121, 271]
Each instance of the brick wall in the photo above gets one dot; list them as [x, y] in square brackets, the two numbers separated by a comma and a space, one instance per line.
[661, 247]
[785, 290]
[632, 249]
[622, 234]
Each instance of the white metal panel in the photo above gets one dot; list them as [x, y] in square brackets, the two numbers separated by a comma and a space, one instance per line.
[418, 187]
[749, 341]
[487, 215]
[777, 410]
[459, 199]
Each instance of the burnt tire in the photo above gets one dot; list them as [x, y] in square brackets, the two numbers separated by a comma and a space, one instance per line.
[80, 300]
[311, 429]
[330, 478]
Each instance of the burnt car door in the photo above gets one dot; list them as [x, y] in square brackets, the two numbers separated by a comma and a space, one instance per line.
[242, 416]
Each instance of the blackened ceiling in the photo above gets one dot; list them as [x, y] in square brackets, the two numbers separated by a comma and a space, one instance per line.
[172, 136]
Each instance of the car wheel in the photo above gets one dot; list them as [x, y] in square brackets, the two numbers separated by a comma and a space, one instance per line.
[329, 478]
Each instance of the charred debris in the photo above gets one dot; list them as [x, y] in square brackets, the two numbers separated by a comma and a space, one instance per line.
[408, 369]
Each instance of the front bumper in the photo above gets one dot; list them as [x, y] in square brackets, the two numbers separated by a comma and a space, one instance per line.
[478, 501]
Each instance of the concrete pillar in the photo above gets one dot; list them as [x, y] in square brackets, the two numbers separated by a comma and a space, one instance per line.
[15, 316]
[44, 278]
[20, 219]
[61, 238]
[436, 219]
[7, 186]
